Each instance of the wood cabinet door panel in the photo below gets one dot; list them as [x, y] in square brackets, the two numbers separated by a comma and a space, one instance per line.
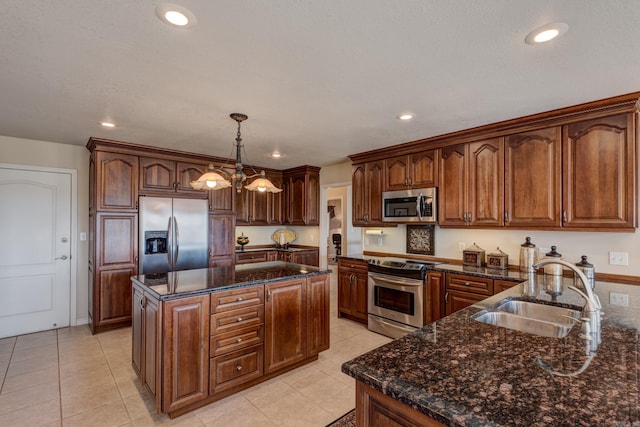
[222, 236]
[486, 183]
[533, 189]
[275, 201]
[435, 308]
[116, 181]
[258, 208]
[599, 177]
[396, 173]
[187, 172]
[375, 184]
[344, 292]
[502, 285]
[235, 368]
[359, 198]
[457, 300]
[285, 324]
[312, 208]
[117, 239]
[241, 207]
[423, 169]
[296, 199]
[114, 296]
[137, 313]
[157, 174]
[359, 296]
[152, 316]
[317, 314]
[185, 352]
[452, 206]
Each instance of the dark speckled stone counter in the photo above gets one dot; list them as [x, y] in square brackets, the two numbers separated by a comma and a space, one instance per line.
[465, 373]
[178, 284]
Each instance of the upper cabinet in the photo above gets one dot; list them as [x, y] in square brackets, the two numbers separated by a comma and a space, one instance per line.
[168, 176]
[256, 208]
[302, 195]
[471, 184]
[367, 179]
[116, 181]
[599, 173]
[418, 170]
[533, 183]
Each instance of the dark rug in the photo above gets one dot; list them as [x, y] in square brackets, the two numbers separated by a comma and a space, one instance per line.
[347, 420]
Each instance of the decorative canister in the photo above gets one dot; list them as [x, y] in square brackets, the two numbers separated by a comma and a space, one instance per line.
[527, 255]
[474, 256]
[498, 259]
[553, 269]
[588, 270]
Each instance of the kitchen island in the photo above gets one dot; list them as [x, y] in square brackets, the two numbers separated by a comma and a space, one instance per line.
[201, 335]
[460, 372]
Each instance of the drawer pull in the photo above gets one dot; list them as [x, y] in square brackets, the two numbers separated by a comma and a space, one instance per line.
[467, 284]
[239, 319]
[239, 368]
[240, 299]
[239, 340]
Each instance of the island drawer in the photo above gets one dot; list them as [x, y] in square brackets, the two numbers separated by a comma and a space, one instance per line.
[232, 320]
[235, 368]
[235, 340]
[461, 282]
[237, 298]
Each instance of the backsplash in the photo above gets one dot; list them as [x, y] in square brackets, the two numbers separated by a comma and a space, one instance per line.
[570, 244]
[261, 235]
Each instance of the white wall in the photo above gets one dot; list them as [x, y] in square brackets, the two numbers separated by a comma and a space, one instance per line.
[48, 154]
[596, 245]
[261, 235]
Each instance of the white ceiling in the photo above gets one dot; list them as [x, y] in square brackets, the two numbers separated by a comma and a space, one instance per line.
[319, 79]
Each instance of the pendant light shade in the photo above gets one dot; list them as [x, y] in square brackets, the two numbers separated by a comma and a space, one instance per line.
[212, 180]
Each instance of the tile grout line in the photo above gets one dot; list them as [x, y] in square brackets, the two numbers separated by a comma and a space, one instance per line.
[126, 408]
[6, 370]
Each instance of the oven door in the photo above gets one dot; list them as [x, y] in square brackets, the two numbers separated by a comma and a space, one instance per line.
[396, 298]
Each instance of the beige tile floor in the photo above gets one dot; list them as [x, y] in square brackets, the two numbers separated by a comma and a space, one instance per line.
[68, 377]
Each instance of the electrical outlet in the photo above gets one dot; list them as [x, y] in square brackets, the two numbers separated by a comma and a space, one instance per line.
[617, 298]
[461, 246]
[379, 241]
[366, 240]
[83, 236]
[619, 258]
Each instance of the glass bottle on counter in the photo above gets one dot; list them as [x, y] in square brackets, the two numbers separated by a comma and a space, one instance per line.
[588, 270]
[527, 255]
[553, 269]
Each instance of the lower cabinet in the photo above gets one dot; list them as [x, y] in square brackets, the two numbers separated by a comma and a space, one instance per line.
[462, 291]
[352, 289]
[193, 350]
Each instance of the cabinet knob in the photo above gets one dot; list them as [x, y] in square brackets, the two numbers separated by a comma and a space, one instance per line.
[240, 299]
[239, 368]
[239, 340]
[239, 319]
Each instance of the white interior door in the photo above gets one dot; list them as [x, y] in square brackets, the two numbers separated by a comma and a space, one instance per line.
[35, 250]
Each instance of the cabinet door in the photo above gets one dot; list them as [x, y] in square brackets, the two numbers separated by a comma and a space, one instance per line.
[452, 207]
[312, 207]
[435, 308]
[258, 208]
[604, 199]
[151, 367]
[309, 257]
[276, 207]
[185, 367]
[221, 236]
[359, 296]
[116, 181]
[222, 200]
[359, 197]
[187, 172]
[157, 174]
[486, 183]
[457, 300]
[502, 285]
[241, 206]
[396, 173]
[344, 292]
[374, 184]
[317, 314]
[137, 313]
[296, 199]
[285, 324]
[533, 189]
[423, 169]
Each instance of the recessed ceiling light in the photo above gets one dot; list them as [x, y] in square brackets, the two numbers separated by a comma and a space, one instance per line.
[276, 155]
[405, 116]
[546, 33]
[107, 124]
[175, 16]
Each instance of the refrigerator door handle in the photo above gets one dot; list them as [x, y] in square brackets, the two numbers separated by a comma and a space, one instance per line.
[177, 246]
[170, 244]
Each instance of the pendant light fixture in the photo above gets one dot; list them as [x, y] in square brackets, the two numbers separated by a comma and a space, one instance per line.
[212, 180]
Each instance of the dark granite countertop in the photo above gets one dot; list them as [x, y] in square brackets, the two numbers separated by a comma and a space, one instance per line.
[178, 284]
[465, 373]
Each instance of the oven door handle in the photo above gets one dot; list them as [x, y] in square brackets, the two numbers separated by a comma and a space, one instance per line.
[394, 281]
[407, 328]
[420, 206]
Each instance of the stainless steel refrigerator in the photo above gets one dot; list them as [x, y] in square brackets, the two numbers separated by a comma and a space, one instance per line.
[173, 234]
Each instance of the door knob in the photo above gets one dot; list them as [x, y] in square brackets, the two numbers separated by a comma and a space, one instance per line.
[63, 257]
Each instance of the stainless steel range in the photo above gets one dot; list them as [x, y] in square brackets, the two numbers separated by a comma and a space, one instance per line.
[396, 295]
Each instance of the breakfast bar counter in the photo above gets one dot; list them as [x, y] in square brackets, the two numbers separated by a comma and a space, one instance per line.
[460, 372]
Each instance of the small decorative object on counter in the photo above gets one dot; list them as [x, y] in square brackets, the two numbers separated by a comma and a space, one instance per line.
[474, 256]
[553, 269]
[283, 237]
[242, 240]
[527, 255]
[588, 270]
[498, 259]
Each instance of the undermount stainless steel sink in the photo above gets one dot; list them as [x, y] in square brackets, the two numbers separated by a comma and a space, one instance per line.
[538, 319]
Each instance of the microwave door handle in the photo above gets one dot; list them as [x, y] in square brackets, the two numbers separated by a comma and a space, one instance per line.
[419, 204]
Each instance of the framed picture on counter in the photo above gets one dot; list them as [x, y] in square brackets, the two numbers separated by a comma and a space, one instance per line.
[420, 239]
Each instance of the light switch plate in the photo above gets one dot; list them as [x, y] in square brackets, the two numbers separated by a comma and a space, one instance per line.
[619, 258]
[617, 298]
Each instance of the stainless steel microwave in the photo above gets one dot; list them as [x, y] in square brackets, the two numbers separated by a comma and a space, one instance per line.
[414, 205]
